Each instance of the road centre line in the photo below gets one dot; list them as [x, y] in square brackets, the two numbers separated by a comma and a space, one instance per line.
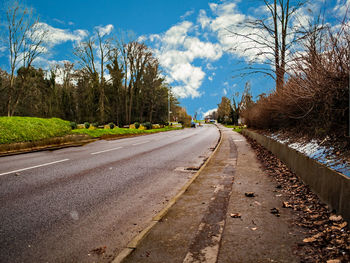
[108, 150]
[36, 166]
[140, 143]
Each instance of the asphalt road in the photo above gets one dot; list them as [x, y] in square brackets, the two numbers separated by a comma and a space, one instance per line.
[70, 205]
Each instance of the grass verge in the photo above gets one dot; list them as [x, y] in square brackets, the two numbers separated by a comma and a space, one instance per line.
[29, 129]
[118, 131]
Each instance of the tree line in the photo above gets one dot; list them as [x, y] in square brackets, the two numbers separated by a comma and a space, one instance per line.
[111, 80]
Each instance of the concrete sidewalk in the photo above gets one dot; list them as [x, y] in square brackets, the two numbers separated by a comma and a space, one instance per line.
[214, 220]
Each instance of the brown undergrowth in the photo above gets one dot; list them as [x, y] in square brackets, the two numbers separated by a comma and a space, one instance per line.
[328, 234]
[315, 97]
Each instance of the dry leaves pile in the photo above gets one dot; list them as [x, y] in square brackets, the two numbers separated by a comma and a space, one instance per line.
[328, 235]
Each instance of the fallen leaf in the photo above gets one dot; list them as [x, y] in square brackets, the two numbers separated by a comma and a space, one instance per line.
[313, 238]
[254, 228]
[257, 203]
[343, 225]
[249, 194]
[286, 205]
[314, 216]
[309, 240]
[99, 250]
[335, 228]
[274, 210]
[235, 215]
[333, 261]
[319, 223]
[335, 218]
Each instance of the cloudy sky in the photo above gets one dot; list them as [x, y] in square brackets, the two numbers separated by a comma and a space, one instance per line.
[198, 55]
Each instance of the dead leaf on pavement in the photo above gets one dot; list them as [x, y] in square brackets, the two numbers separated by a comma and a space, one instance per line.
[235, 215]
[99, 250]
[313, 238]
[249, 194]
[275, 211]
[335, 218]
[309, 240]
[286, 205]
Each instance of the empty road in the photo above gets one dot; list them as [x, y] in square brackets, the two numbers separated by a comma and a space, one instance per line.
[70, 205]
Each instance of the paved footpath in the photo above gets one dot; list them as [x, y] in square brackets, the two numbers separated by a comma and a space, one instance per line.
[200, 226]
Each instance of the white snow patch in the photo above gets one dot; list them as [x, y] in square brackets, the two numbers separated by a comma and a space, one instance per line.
[314, 150]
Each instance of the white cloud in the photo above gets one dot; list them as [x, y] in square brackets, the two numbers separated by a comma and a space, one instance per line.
[203, 19]
[209, 112]
[341, 8]
[106, 30]
[187, 14]
[209, 66]
[59, 21]
[56, 36]
[176, 35]
[141, 38]
[3, 49]
[224, 91]
[176, 51]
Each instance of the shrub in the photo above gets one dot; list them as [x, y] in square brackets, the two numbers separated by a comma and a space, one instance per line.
[111, 125]
[137, 125]
[95, 124]
[87, 125]
[148, 125]
[73, 125]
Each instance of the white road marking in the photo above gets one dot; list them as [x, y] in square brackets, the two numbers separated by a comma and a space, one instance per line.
[140, 143]
[113, 149]
[36, 166]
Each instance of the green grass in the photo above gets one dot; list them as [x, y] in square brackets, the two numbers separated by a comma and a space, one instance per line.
[235, 128]
[119, 131]
[28, 129]
[31, 129]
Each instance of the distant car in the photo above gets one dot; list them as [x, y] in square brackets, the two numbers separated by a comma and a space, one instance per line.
[212, 121]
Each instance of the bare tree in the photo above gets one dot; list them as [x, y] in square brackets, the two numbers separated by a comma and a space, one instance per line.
[25, 43]
[135, 57]
[270, 39]
[93, 55]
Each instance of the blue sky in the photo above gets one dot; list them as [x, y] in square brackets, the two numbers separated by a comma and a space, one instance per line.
[188, 37]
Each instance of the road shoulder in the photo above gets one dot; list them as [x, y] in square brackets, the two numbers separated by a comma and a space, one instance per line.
[199, 226]
[258, 234]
